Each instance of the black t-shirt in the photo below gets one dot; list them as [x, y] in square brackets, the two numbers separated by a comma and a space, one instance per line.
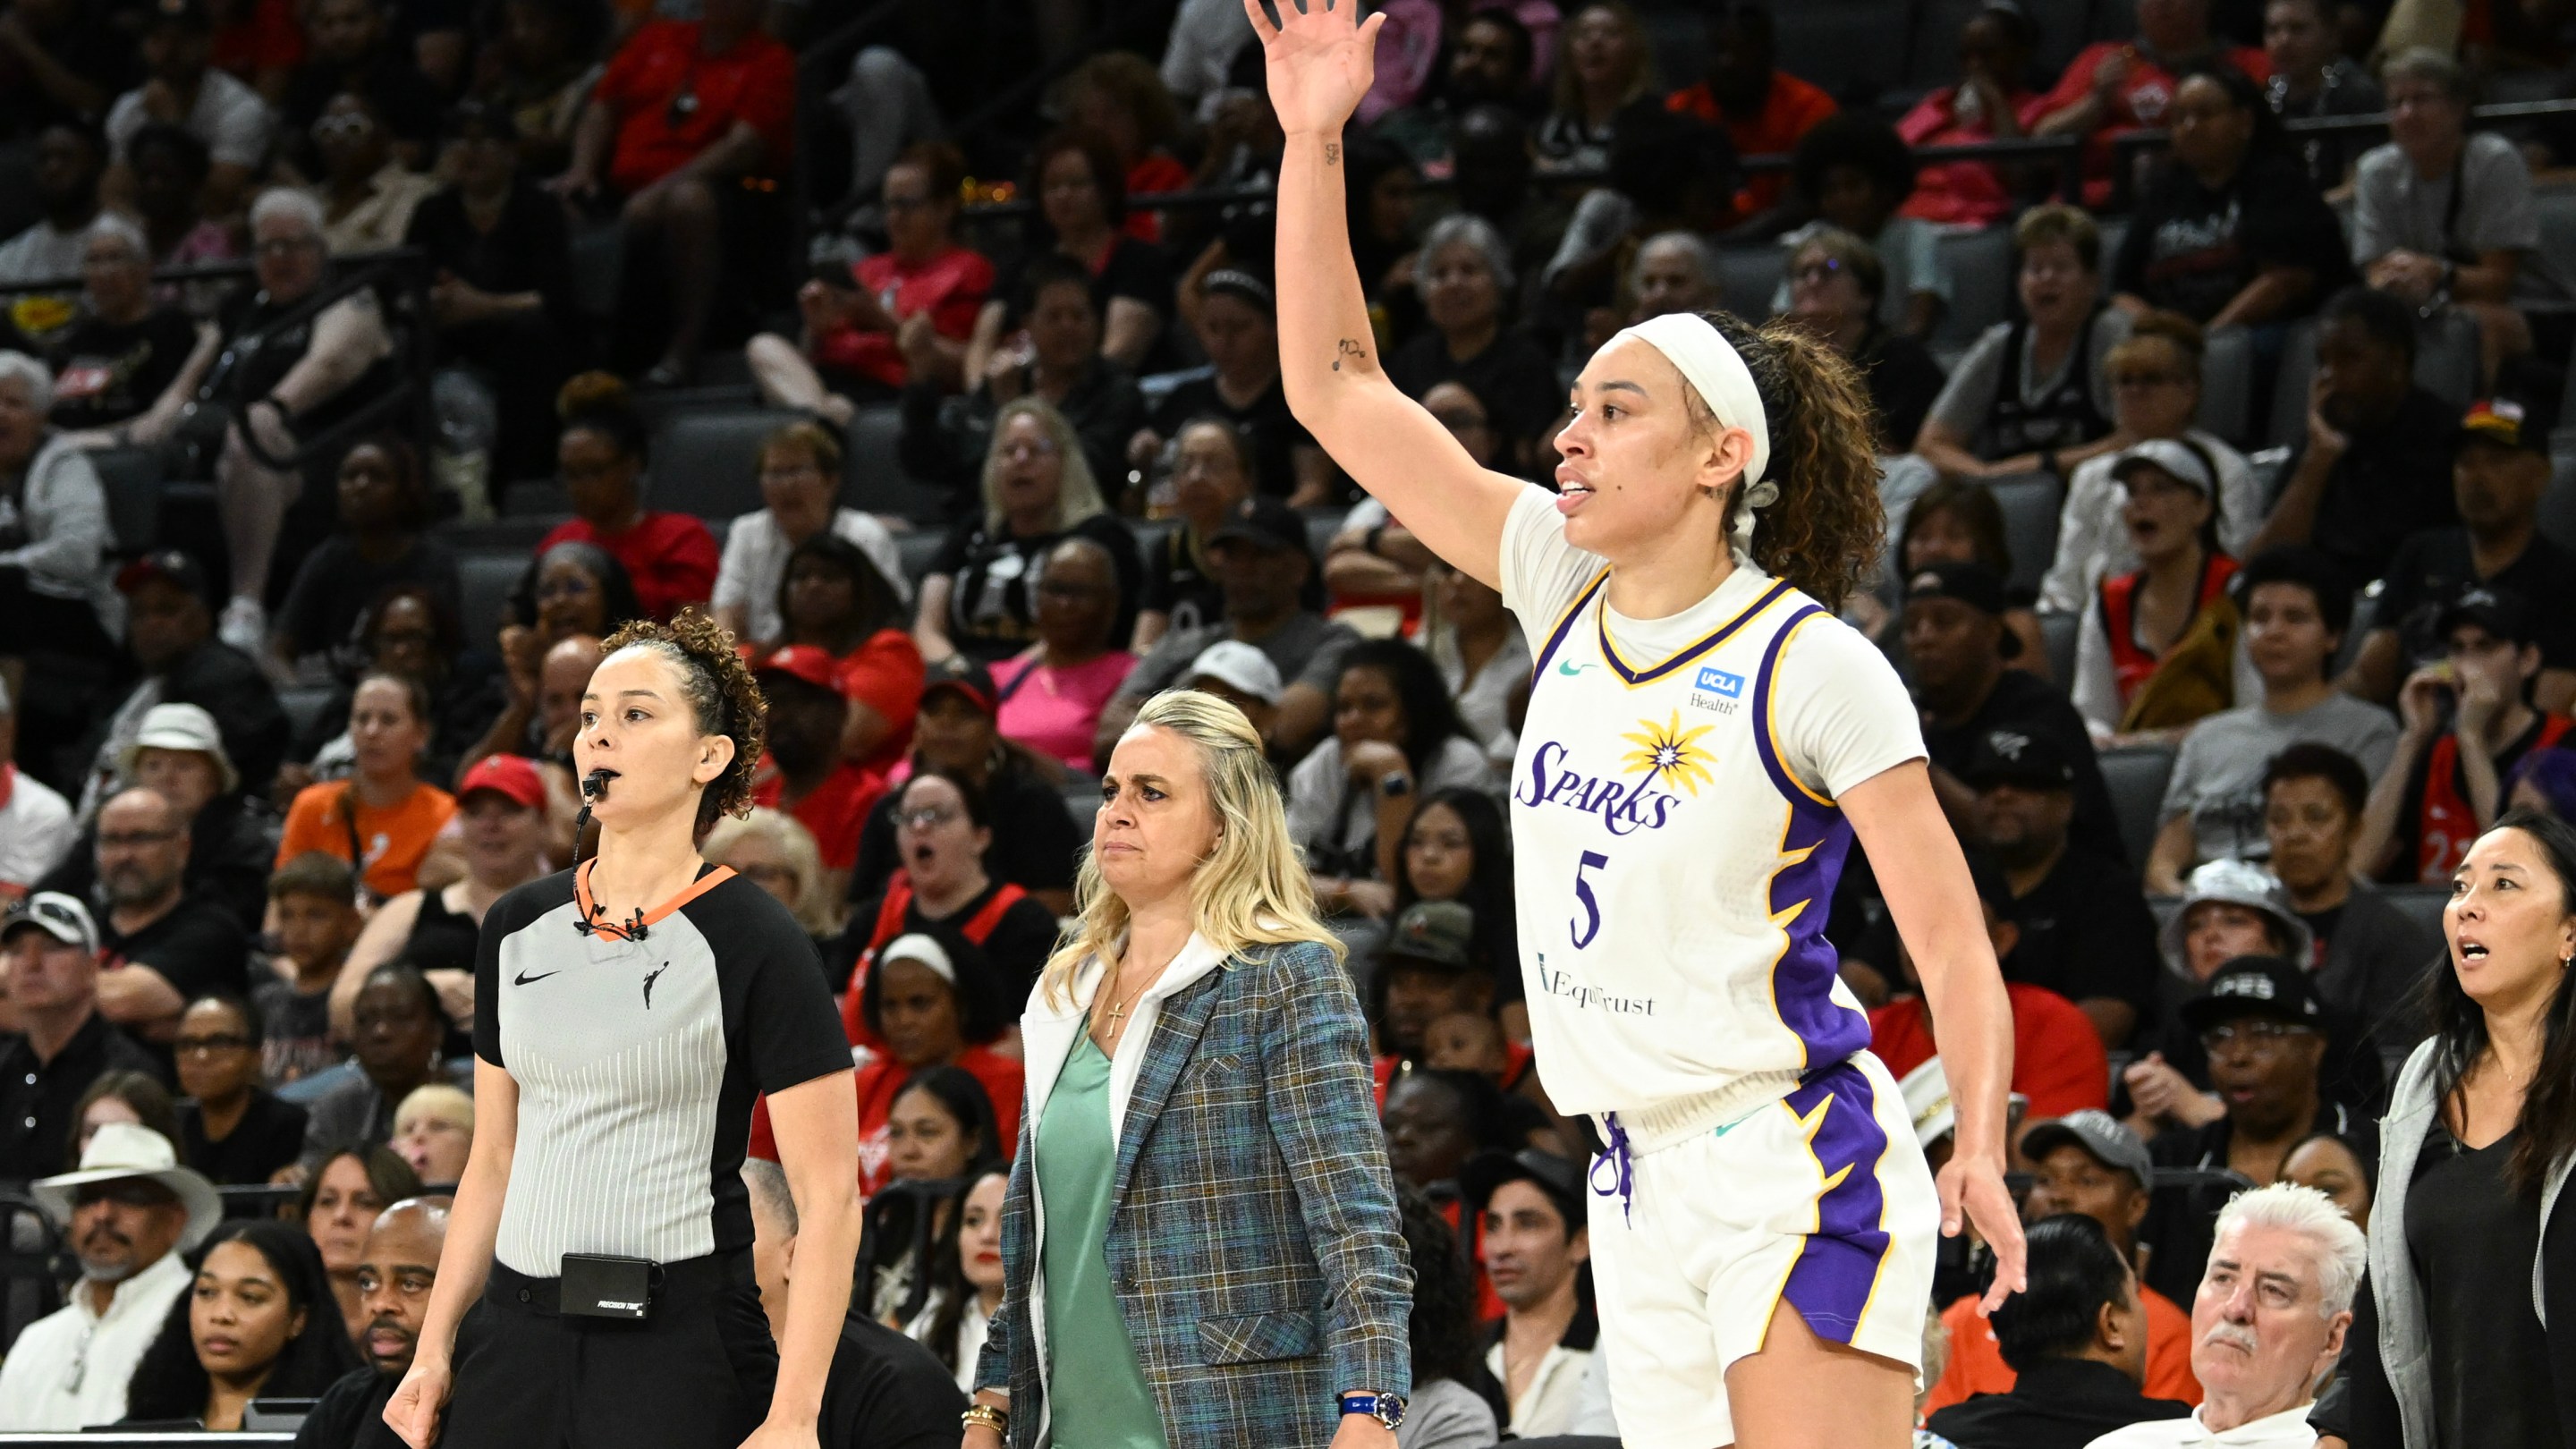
[198, 947]
[1511, 377]
[1272, 430]
[269, 1136]
[528, 250]
[2182, 1219]
[336, 584]
[2433, 568]
[296, 1027]
[885, 1391]
[1018, 946]
[2025, 702]
[2472, 1235]
[1137, 270]
[37, 1097]
[351, 1413]
[2086, 932]
[106, 372]
[2392, 481]
[2057, 1403]
[2191, 249]
[648, 1053]
[1903, 383]
[1176, 582]
[991, 604]
[1034, 837]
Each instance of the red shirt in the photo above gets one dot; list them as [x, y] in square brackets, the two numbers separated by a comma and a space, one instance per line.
[754, 82]
[2139, 103]
[267, 39]
[1959, 193]
[880, 1080]
[1977, 1362]
[950, 286]
[833, 814]
[2057, 1056]
[885, 673]
[670, 556]
[1154, 171]
[1791, 110]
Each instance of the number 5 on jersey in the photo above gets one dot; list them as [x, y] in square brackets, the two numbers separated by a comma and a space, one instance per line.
[1589, 925]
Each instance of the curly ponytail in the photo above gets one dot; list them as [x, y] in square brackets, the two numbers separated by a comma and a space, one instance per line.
[1826, 532]
[723, 698]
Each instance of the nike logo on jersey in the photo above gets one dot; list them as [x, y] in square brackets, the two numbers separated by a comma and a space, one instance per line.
[523, 978]
[1569, 668]
[648, 983]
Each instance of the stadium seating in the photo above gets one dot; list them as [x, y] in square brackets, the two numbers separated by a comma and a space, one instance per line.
[1981, 274]
[132, 477]
[2421, 904]
[708, 462]
[303, 704]
[2136, 775]
[1748, 276]
[2030, 523]
[2558, 505]
[2227, 384]
[2057, 636]
[873, 480]
[1848, 46]
[485, 581]
[2289, 425]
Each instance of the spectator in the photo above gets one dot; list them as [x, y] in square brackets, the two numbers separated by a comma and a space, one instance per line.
[2340, 1167]
[1054, 356]
[1375, 558]
[53, 528]
[36, 827]
[1349, 801]
[128, 1214]
[60, 62]
[2228, 909]
[1082, 204]
[1491, 170]
[2295, 611]
[161, 944]
[1038, 487]
[259, 1321]
[1436, 1121]
[2441, 215]
[601, 452]
[772, 851]
[1604, 64]
[384, 515]
[2369, 957]
[1957, 646]
[2058, 1061]
[1238, 330]
[1959, 521]
[2499, 471]
[2376, 460]
[341, 1202]
[1835, 287]
[833, 597]
[1668, 173]
[2076, 1340]
[686, 110]
[434, 1132]
[932, 1003]
[2268, 1322]
[178, 753]
[1212, 473]
[540, 68]
[2311, 82]
[2155, 394]
[368, 195]
[860, 341]
[2157, 647]
[1457, 849]
[1464, 274]
[397, 1029]
[127, 345]
[502, 299]
[966, 1285]
[1426, 969]
[384, 818]
[171, 639]
[2444, 784]
[1483, 659]
[800, 480]
[1242, 676]
[122, 1096]
[2545, 782]
[1116, 96]
[501, 806]
[2114, 87]
[230, 1128]
[406, 629]
[259, 42]
[355, 52]
[223, 115]
[2234, 235]
[2087, 1164]
[63, 1041]
[1053, 691]
[313, 900]
[804, 772]
[1535, 1249]
[69, 158]
[1448, 1409]
[1851, 173]
[396, 1272]
[1674, 271]
[172, 170]
[1764, 110]
[1492, 56]
[1034, 838]
[570, 596]
[943, 831]
[1995, 46]
[939, 1131]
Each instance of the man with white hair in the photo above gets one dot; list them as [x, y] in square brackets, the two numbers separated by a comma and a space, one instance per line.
[36, 829]
[124, 351]
[1673, 272]
[2267, 1324]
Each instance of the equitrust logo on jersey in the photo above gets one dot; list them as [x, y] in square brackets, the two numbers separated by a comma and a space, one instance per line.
[1715, 689]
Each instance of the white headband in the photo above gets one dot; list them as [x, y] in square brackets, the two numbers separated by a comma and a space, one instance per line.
[1709, 363]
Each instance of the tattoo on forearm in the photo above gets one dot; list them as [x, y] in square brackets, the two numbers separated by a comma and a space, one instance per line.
[1350, 347]
[1332, 152]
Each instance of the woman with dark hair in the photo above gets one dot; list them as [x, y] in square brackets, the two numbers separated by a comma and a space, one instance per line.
[407, 630]
[384, 510]
[2451, 1343]
[2344, 1168]
[601, 454]
[1853, 172]
[260, 1322]
[833, 597]
[1379, 191]
[571, 587]
[943, 829]
[1957, 520]
[1081, 195]
[1457, 847]
[341, 1199]
[1212, 473]
[121, 1096]
[1837, 289]
[966, 1278]
[230, 1127]
[1446, 1411]
[2157, 647]
[939, 1132]
[1395, 731]
[1118, 96]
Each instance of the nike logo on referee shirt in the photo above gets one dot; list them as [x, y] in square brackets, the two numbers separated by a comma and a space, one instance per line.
[523, 978]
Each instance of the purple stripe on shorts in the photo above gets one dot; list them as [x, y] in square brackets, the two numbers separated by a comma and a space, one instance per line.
[1830, 1283]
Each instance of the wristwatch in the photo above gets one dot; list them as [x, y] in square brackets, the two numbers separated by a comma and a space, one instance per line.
[1387, 1409]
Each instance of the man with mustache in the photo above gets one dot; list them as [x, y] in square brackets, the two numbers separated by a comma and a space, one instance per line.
[394, 1279]
[2267, 1324]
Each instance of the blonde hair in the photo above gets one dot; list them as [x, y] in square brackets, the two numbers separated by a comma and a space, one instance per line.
[437, 1099]
[815, 909]
[1077, 493]
[1251, 890]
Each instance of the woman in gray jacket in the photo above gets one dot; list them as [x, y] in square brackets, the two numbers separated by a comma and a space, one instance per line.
[2465, 1333]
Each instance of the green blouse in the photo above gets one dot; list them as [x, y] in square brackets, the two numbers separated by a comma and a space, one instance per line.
[1096, 1394]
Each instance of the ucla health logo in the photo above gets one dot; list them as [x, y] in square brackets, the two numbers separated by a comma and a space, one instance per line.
[1715, 689]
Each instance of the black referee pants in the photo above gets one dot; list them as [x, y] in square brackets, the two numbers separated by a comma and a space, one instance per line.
[695, 1374]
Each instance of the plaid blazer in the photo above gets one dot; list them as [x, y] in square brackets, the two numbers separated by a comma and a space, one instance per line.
[1253, 1234]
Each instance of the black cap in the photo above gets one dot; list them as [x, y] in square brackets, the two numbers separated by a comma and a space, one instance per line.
[1560, 1179]
[2504, 613]
[2255, 986]
[2031, 760]
[170, 566]
[1972, 584]
[962, 675]
[2509, 422]
[186, 14]
[1265, 522]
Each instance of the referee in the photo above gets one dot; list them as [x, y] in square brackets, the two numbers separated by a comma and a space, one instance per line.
[629, 1013]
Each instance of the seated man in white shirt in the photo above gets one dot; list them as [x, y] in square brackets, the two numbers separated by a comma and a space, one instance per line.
[128, 1214]
[2267, 1324]
[1528, 1206]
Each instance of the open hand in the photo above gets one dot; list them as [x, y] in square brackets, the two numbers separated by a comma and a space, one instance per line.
[1973, 1194]
[1320, 61]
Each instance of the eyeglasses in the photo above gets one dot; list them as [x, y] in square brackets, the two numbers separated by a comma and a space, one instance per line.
[2147, 379]
[925, 817]
[132, 839]
[332, 128]
[1816, 271]
[1043, 448]
[409, 1282]
[206, 1046]
[2258, 1036]
[287, 246]
[783, 472]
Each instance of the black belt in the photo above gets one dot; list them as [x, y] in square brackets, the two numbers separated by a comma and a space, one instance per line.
[691, 1281]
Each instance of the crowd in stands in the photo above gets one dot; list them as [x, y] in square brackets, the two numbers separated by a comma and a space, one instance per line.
[2227, 556]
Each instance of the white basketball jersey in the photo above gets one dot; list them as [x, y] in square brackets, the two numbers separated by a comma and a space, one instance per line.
[1674, 833]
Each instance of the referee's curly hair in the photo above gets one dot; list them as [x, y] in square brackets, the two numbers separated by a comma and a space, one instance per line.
[721, 693]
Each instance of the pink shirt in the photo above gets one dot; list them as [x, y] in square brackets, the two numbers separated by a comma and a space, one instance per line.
[1055, 711]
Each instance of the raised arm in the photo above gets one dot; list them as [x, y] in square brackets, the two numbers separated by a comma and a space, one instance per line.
[1320, 64]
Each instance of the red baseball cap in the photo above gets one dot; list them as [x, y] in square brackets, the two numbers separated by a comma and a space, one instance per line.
[511, 776]
[807, 662]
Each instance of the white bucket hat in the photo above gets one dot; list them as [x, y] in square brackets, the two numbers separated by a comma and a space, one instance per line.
[180, 727]
[121, 1150]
